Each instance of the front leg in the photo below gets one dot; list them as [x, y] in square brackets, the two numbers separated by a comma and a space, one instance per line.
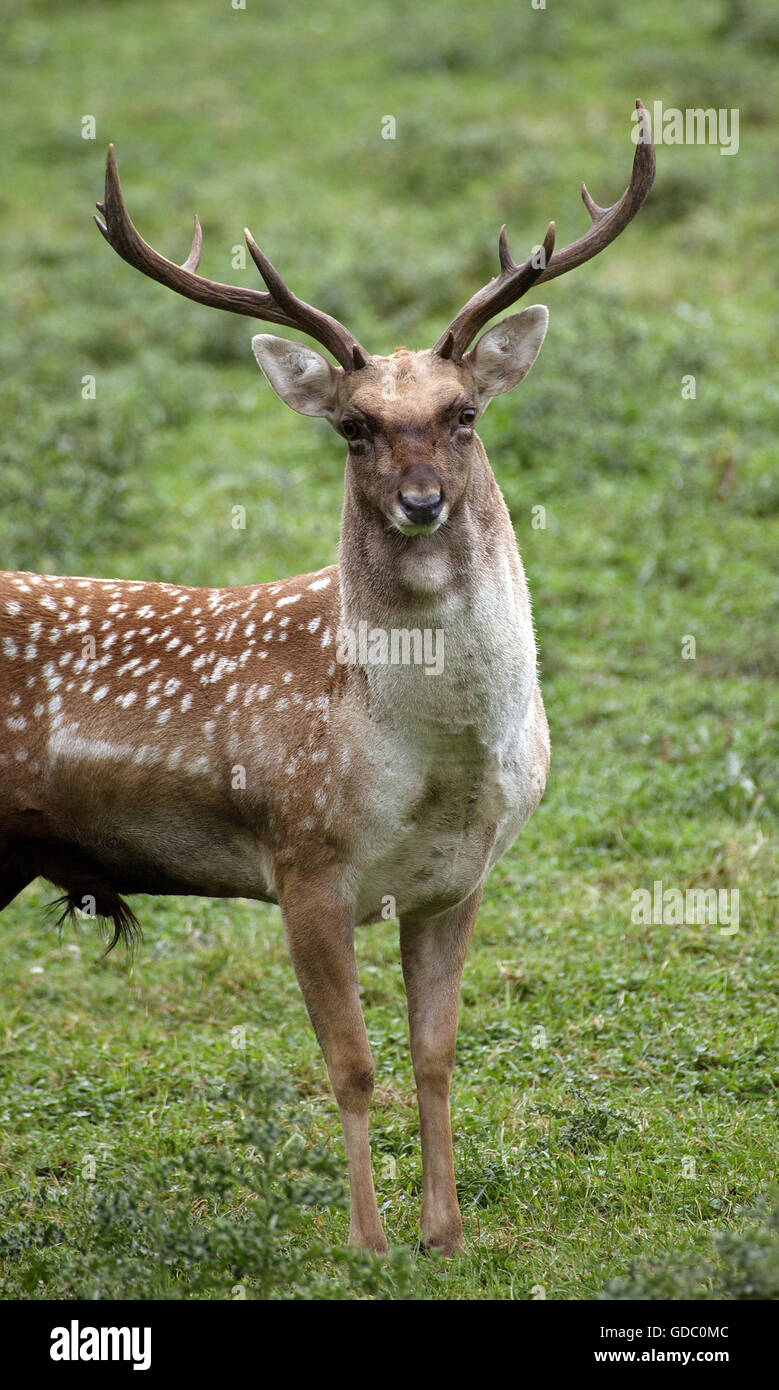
[433, 951]
[320, 934]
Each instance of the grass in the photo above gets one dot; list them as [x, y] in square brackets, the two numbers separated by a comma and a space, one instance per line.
[615, 1090]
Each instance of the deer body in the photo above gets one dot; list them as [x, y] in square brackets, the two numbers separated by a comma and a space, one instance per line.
[212, 730]
[232, 742]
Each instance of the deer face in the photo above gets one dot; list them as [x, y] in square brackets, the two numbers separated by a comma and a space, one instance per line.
[409, 420]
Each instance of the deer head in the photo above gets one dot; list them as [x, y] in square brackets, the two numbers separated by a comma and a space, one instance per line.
[409, 419]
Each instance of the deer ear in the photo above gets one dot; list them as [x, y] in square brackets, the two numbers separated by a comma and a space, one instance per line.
[505, 353]
[299, 376]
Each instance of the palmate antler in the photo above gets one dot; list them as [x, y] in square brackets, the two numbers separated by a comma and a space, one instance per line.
[515, 280]
[279, 305]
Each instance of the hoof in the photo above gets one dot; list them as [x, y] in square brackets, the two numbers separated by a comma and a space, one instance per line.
[376, 1243]
[447, 1246]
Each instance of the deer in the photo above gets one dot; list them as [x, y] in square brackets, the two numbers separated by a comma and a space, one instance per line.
[229, 742]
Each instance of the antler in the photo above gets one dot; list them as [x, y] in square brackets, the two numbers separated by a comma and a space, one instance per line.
[279, 305]
[514, 281]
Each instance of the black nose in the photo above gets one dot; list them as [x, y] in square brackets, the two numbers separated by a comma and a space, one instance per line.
[422, 511]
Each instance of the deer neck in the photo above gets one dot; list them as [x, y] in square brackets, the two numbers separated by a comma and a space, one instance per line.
[465, 582]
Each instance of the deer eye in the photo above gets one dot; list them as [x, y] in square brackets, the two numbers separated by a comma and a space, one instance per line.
[467, 416]
[351, 429]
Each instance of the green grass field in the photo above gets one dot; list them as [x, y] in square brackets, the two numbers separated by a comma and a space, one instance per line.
[615, 1091]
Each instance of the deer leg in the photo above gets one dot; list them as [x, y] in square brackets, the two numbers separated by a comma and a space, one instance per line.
[320, 935]
[433, 952]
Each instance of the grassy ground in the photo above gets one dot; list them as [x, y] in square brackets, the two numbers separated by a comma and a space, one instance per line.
[615, 1091]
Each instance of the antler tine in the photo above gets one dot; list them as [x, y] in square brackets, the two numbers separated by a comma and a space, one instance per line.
[279, 305]
[607, 223]
[193, 259]
[507, 261]
[596, 212]
[514, 281]
[313, 321]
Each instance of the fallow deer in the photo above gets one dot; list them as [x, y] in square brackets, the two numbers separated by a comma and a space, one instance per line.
[171, 740]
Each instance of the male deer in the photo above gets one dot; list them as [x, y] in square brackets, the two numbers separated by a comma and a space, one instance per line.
[127, 707]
